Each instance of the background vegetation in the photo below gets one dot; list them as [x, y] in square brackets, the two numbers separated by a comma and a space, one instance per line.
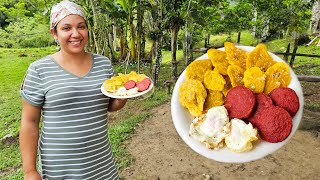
[155, 37]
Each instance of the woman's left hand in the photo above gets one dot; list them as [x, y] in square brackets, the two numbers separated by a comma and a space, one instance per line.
[116, 104]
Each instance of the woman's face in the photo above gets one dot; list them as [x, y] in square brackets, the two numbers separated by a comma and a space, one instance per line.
[72, 34]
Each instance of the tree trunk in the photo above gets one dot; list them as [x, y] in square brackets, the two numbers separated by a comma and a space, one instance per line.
[174, 39]
[188, 43]
[265, 28]
[122, 54]
[114, 29]
[139, 29]
[94, 27]
[133, 49]
[254, 19]
[187, 51]
[158, 44]
[315, 16]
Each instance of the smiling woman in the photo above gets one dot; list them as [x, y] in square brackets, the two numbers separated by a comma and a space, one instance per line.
[63, 89]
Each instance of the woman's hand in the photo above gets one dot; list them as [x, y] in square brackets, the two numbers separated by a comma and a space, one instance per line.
[116, 104]
[32, 175]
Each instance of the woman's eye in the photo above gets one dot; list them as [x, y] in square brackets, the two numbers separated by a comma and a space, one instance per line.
[82, 27]
[65, 28]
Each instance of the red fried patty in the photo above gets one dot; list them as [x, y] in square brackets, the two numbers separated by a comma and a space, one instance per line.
[262, 101]
[274, 124]
[144, 84]
[285, 98]
[240, 102]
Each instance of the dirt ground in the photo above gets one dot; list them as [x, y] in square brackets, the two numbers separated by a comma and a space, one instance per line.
[159, 152]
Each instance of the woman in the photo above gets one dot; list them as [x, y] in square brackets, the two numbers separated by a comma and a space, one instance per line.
[63, 89]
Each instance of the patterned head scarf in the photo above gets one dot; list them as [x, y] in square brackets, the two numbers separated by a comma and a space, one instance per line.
[62, 10]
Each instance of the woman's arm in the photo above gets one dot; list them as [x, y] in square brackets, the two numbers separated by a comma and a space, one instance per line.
[116, 104]
[29, 135]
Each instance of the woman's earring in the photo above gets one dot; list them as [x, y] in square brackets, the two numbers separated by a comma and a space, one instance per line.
[57, 42]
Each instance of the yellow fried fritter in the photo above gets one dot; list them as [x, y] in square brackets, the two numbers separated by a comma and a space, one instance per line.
[235, 74]
[235, 56]
[277, 75]
[259, 57]
[214, 81]
[192, 95]
[214, 98]
[198, 68]
[254, 79]
[219, 60]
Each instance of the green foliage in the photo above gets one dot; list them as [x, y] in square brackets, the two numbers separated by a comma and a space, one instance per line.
[26, 32]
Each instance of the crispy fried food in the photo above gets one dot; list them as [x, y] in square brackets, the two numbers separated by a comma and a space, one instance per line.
[235, 74]
[219, 60]
[192, 95]
[227, 86]
[235, 56]
[136, 77]
[214, 98]
[214, 81]
[197, 69]
[277, 75]
[124, 78]
[111, 85]
[254, 79]
[259, 57]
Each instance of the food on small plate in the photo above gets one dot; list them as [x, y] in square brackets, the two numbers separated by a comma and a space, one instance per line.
[211, 128]
[143, 85]
[129, 84]
[241, 136]
[286, 98]
[274, 124]
[126, 85]
[240, 102]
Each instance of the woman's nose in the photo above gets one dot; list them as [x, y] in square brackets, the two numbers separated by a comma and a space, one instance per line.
[75, 32]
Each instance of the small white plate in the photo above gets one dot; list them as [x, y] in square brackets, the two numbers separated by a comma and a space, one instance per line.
[112, 95]
[182, 120]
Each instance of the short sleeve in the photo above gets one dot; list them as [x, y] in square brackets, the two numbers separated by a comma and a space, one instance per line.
[110, 70]
[32, 89]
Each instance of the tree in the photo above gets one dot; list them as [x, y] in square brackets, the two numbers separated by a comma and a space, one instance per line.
[315, 16]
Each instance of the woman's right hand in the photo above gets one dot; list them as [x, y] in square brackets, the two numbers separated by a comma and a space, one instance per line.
[32, 175]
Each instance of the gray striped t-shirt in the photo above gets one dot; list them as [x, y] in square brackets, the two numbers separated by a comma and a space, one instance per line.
[74, 140]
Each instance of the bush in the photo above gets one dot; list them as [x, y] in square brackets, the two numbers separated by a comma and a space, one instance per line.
[26, 32]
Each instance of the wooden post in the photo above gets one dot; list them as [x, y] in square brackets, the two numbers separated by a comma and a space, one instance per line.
[287, 53]
[295, 48]
[239, 35]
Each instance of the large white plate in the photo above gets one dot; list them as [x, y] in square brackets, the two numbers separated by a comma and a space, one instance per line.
[182, 120]
[112, 95]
